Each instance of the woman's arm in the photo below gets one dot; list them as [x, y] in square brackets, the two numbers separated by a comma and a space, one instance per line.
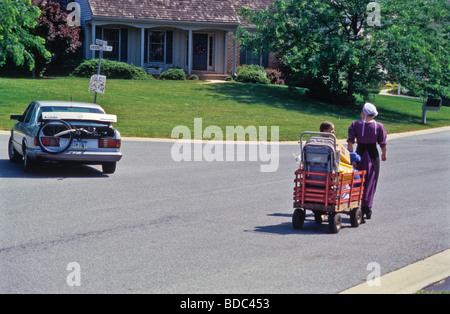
[383, 153]
[351, 137]
[350, 146]
[382, 140]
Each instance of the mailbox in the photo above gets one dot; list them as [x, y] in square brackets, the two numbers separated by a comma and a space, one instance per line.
[432, 104]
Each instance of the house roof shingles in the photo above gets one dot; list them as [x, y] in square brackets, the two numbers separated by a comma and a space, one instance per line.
[208, 11]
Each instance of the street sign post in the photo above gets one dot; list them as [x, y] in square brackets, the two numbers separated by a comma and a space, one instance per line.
[98, 81]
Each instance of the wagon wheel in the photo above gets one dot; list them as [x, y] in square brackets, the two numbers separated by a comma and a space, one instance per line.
[335, 222]
[298, 218]
[355, 217]
[318, 217]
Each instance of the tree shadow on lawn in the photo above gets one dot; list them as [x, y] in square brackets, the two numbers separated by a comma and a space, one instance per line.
[295, 100]
[276, 96]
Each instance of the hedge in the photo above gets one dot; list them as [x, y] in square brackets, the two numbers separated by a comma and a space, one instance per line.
[252, 76]
[173, 74]
[111, 69]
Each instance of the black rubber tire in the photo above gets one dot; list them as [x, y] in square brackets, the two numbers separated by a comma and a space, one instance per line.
[298, 218]
[355, 217]
[13, 154]
[109, 167]
[28, 164]
[318, 217]
[335, 222]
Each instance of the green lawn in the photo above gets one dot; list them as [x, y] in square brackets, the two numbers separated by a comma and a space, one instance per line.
[153, 108]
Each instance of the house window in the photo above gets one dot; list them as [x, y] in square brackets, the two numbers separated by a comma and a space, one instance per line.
[248, 56]
[156, 46]
[252, 58]
[112, 36]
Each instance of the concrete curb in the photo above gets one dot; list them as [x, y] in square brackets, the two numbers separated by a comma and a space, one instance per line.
[172, 140]
[409, 279]
[390, 137]
[420, 132]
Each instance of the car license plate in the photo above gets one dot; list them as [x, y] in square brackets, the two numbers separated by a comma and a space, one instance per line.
[81, 145]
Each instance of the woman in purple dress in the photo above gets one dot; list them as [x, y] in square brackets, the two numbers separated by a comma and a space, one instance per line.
[368, 133]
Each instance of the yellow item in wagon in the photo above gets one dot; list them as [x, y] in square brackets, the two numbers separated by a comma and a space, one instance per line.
[345, 168]
[345, 154]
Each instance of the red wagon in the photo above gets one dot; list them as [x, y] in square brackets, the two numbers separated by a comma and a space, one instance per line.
[328, 194]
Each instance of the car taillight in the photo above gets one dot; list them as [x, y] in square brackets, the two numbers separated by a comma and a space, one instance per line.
[109, 143]
[50, 141]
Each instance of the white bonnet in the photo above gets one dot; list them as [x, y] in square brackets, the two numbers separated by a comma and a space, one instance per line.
[369, 109]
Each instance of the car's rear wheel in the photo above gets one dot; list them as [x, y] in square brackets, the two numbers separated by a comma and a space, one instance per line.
[109, 167]
[28, 163]
[14, 155]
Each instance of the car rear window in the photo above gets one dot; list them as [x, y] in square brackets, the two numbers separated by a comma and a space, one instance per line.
[68, 109]
[71, 109]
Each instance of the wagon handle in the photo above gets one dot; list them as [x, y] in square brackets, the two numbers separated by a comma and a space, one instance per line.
[317, 133]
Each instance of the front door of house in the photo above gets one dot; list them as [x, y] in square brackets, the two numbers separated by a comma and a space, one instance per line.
[200, 45]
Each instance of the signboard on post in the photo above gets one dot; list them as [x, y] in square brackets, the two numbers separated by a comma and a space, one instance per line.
[98, 81]
[101, 42]
[101, 48]
[97, 84]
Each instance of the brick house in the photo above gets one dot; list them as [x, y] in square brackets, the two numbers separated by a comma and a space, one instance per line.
[195, 35]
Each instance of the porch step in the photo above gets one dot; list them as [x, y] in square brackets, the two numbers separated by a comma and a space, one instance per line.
[208, 76]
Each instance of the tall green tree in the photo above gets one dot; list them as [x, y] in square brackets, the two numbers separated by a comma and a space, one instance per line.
[415, 36]
[17, 17]
[339, 48]
[61, 39]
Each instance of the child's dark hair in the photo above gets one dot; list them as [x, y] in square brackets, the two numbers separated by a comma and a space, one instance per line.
[325, 126]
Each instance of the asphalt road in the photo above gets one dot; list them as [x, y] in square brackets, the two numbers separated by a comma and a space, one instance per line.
[160, 226]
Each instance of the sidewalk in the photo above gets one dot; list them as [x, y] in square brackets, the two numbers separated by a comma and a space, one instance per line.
[411, 278]
[385, 92]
